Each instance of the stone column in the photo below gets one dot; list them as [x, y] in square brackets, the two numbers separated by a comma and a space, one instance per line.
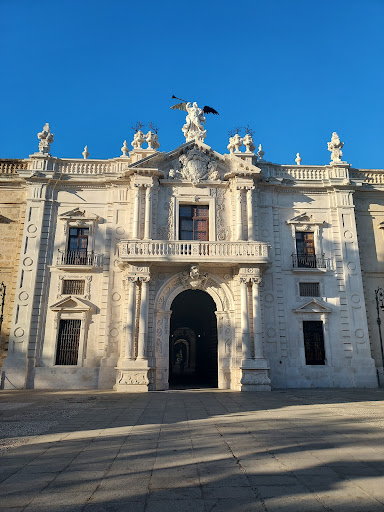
[251, 231]
[131, 307]
[136, 206]
[239, 220]
[245, 331]
[148, 212]
[143, 320]
[257, 325]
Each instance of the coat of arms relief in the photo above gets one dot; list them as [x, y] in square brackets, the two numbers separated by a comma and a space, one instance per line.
[194, 166]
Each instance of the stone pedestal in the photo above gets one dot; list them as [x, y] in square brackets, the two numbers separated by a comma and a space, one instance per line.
[132, 376]
[254, 375]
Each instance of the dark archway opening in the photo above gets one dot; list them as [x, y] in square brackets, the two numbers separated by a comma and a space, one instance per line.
[193, 341]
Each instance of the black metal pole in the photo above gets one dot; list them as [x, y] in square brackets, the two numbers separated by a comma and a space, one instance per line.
[2, 290]
[379, 294]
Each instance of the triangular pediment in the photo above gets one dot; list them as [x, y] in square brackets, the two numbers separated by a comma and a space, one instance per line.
[313, 306]
[72, 304]
[305, 218]
[194, 162]
[79, 214]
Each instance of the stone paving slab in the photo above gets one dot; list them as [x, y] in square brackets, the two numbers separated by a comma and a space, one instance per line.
[192, 451]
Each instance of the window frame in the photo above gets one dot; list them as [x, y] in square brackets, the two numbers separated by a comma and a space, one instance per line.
[194, 218]
[304, 322]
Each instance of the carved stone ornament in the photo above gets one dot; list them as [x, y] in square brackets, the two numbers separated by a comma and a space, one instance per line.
[335, 148]
[236, 142]
[46, 139]
[248, 143]
[138, 140]
[152, 140]
[260, 153]
[195, 166]
[129, 378]
[193, 128]
[194, 278]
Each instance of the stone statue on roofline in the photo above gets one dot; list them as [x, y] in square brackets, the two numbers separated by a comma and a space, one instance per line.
[335, 148]
[195, 120]
[46, 138]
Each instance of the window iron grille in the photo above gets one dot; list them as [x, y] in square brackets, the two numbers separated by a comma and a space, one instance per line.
[309, 289]
[77, 257]
[308, 261]
[73, 287]
[314, 342]
[68, 342]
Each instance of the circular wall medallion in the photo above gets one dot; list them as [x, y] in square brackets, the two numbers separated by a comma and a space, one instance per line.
[23, 296]
[120, 230]
[348, 234]
[28, 261]
[359, 333]
[114, 332]
[351, 265]
[32, 228]
[268, 297]
[116, 296]
[355, 299]
[18, 332]
[271, 333]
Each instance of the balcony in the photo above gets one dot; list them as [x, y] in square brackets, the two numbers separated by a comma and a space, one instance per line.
[305, 262]
[139, 251]
[79, 259]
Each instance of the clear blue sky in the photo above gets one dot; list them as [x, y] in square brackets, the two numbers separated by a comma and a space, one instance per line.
[295, 71]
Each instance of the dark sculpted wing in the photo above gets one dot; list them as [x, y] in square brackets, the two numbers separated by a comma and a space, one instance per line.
[209, 110]
[179, 106]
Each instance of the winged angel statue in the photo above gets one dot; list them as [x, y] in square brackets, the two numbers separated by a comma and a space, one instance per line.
[193, 128]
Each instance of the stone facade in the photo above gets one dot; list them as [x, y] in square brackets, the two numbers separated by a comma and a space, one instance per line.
[290, 258]
[12, 214]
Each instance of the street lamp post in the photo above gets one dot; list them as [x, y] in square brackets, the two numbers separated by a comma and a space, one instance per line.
[2, 295]
[379, 294]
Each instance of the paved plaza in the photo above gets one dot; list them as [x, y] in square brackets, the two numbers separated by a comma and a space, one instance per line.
[192, 451]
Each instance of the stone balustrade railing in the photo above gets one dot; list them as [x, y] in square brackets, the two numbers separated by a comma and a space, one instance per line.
[189, 251]
[298, 172]
[372, 176]
[91, 167]
[12, 166]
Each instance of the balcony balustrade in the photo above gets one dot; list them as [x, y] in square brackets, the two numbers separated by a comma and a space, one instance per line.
[191, 251]
[78, 257]
[306, 261]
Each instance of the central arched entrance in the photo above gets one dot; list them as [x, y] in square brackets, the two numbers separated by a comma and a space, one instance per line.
[193, 341]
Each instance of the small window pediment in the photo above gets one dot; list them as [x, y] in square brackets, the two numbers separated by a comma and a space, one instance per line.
[72, 304]
[313, 306]
[305, 220]
[78, 214]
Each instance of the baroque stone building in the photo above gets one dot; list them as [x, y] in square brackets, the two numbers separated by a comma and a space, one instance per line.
[194, 268]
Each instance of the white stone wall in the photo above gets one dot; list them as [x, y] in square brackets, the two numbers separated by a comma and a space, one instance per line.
[125, 309]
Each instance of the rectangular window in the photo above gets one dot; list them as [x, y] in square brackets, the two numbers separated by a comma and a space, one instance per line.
[194, 222]
[68, 342]
[77, 246]
[305, 249]
[73, 287]
[309, 289]
[314, 342]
